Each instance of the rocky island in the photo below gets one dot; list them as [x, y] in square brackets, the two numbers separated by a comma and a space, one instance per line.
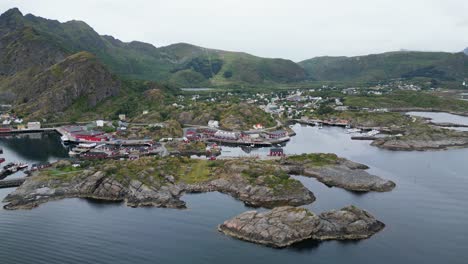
[284, 226]
[161, 182]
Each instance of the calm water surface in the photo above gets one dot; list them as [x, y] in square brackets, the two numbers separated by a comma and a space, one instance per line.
[438, 117]
[426, 216]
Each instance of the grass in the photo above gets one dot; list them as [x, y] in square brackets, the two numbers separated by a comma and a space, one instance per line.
[197, 172]
[315, 159]
[407, 99]
[155, 171]
[65, 174]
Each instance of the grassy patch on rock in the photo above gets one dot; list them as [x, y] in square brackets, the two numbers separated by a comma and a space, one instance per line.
[315, 159]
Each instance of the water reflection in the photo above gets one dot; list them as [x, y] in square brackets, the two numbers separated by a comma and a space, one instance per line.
[39, 147]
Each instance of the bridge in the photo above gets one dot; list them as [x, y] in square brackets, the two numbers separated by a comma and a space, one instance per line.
[11, 183]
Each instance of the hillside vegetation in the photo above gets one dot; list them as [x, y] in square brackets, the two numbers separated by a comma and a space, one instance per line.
[407, 99]
[441, 66]
[180, 64]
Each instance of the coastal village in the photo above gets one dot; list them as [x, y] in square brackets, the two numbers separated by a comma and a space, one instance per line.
[118, 139]
[232, 126]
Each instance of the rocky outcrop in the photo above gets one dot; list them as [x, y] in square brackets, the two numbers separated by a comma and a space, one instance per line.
[343, 173]
[350, 179]
[159, 191]
[162, 182]
[94, 185]
[422, 144]
[256, 195]
[284, 226]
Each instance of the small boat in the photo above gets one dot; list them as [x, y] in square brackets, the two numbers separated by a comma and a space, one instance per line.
[1, 150]
[22, 166]
[373, 132]
[9, 165]
[353, 130]
[2, 160]
[86, 145]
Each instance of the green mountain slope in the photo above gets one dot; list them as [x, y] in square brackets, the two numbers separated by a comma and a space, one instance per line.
[435, 65]
[47, 93]
[180, 64]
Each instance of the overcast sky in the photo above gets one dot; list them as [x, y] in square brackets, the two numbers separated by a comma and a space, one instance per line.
[293, 29]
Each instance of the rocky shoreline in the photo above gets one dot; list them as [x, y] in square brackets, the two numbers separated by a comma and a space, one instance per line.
[284, 226]
[415, 144]
[161, 182]
[342, 173]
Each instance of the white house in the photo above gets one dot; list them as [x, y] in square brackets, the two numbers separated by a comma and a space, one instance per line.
[99, 123]
[258, 126]
[213, 123]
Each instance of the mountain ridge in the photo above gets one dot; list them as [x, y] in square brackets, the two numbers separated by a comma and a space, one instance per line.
[140, 60]
[187, 65]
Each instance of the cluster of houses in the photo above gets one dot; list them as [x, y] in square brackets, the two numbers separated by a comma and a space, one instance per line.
[84, 133]
[9, 122]
[105, 151]
[252, 137]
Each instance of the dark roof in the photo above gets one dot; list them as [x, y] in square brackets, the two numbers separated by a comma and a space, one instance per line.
[276, 150]
[73, 129]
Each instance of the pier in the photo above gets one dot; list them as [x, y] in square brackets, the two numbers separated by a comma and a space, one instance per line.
[11, 183]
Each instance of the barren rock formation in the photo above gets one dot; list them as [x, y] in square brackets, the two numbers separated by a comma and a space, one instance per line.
[287, 225]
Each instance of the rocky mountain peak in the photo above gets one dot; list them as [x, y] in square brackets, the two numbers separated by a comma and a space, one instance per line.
[10, 21]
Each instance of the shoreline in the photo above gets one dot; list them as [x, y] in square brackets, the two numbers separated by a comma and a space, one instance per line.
[250, 181]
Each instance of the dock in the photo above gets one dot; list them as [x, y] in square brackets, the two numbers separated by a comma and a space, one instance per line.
[363, 138]
[11, 183]
[26, 131]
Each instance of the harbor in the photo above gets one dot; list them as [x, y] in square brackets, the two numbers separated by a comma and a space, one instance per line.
[420, 192]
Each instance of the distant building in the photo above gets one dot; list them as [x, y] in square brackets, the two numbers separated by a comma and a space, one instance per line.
[277, 134]
[213, 123]
[122, 117]
[34, 125]
[99, 123]
[258, 126]
[341, 108]
[276, 152]
[226, 135]
[90, 136]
